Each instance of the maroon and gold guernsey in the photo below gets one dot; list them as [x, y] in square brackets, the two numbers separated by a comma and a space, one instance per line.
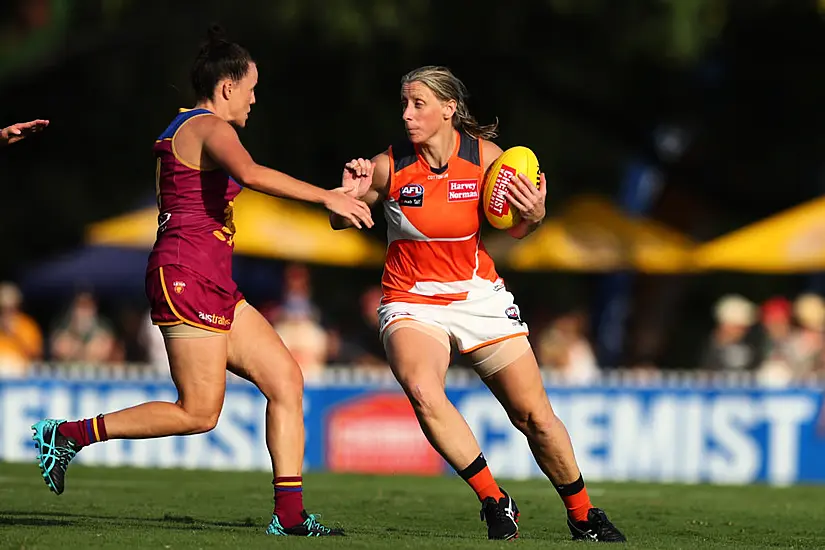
[189, 274]
[195, 225]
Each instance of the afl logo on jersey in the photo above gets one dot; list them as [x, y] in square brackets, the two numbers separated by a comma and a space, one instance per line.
[411, 194]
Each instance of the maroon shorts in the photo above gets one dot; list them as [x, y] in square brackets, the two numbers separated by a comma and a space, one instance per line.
[179, 295]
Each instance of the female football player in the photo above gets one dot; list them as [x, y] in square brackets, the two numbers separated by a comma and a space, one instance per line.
[441, 289]
[207, 326]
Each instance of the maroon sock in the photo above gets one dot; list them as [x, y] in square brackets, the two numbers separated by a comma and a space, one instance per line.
[85, 432]
[289, 500]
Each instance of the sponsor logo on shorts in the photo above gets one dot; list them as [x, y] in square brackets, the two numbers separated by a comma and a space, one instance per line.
[498, 199]
[214, 319]
[498, 286]
[462, 191]
[513, 313]
[179, 286]
[412, 195]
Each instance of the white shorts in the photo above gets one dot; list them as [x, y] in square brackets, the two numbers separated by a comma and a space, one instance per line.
[470, 324]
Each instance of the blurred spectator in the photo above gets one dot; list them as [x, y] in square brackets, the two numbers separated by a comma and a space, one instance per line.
[730, 347]
[777, 356]
[303, 336]
[777, 326]
[82, 334]
[151, 339]
[128, 331]
[21, 340]
[564, 348]
[297, 322]
[360, 344]
[807, 343]
[297, 285]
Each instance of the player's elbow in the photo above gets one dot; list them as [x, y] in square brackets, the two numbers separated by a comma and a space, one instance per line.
[522, 229]
[516, 233]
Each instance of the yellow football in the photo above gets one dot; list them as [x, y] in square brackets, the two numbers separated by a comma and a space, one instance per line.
[500, 213]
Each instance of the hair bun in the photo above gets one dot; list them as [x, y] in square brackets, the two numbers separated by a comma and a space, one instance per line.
[215, 33]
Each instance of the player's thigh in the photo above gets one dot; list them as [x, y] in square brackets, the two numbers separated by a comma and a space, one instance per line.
[519, 388]
[198, 368]
[419, 356]
[257, 353]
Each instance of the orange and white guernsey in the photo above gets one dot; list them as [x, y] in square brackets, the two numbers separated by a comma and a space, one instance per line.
[435, 254]
[437, 271]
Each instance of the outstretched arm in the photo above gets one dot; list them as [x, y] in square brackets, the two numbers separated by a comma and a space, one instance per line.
[222, 144]
[21, 130]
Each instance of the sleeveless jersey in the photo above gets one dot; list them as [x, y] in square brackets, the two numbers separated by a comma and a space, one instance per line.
[435, 254]
[195, 222]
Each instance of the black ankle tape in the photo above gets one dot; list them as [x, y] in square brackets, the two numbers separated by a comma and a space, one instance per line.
[571, 488]
[475, 467]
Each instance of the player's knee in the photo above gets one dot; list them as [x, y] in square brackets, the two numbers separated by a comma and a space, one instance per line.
[202, 420]
[203, 423]
[426, 399]
[293, 382]
[284, 386]
[534, 421]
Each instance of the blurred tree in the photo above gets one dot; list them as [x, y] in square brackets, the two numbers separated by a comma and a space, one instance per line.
[670, 31]
[30, 30]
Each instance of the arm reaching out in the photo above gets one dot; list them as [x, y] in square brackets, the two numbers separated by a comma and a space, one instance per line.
[21, 130]
[222, 144]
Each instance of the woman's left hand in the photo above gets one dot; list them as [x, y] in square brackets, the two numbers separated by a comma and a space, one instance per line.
[527, 198]
[357, 177]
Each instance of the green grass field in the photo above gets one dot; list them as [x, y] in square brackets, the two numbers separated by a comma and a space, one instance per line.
[171, 509]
